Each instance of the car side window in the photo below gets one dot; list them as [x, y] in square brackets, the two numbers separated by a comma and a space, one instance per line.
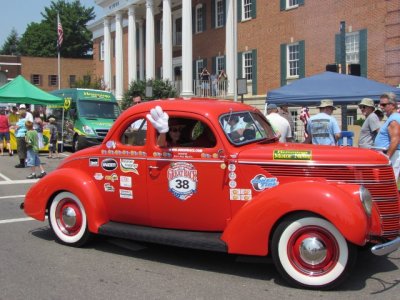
[135, 133]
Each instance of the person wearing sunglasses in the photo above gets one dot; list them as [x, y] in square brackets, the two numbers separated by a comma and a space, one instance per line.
[389, 135]
[371, 125]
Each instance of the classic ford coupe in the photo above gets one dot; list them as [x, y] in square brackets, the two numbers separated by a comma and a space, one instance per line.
[221, 181]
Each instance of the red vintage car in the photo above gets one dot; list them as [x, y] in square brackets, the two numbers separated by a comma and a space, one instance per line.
[225, 185]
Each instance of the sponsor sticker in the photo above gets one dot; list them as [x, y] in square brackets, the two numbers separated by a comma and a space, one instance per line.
[98, 176]
[129, 165]
[108, 187]
[182, 180]
[125, 181]
[113, 177]
[232, 184]
[260, 182]
[240, 194]
[231, 167]
[93, 162]
[292, 155]
[111, 144]
[109, 164]
[126, 194]
[232, 175]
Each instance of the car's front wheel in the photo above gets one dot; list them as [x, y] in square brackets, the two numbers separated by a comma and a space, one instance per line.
[68, 220]
[310, 252]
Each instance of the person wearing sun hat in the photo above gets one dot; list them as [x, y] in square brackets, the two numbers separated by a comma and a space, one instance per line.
[322, 128]
[371, 125]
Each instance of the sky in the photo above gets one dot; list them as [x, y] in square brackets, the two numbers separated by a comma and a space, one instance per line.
[19, 13]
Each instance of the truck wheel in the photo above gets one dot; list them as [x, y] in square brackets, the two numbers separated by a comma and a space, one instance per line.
[310, 252]
[68, 220]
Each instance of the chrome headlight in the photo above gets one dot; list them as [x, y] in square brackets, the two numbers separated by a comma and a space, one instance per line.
[366, 199]
[87, 129]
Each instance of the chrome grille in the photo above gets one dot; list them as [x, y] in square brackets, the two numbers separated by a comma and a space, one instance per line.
[380, 182]
[102, 133]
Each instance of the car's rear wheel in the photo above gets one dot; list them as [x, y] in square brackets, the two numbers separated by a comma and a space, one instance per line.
[68, 220]
[310, 252]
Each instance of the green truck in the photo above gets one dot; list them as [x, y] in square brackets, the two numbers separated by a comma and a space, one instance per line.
[88, 116]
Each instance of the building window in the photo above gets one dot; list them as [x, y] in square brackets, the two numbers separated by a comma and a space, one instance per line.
[36, 79]
[102, 50]
[161, 31]
[199, 18]
[199, 67]
[177, 32]
[248, 65]
[53, 80]
[246, 9]
[72, 80]
[219, 13]
[352, 48]
[86, 80]
[293, 59]
[219, 64]
[292, 4]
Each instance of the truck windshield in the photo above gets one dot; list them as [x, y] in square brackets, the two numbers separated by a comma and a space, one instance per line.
[246, 127]
[98, 109]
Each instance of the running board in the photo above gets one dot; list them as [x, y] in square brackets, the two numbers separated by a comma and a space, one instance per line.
[210, 241]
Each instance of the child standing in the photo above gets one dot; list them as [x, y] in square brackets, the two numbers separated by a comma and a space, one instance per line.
[53, 138]
[33, 160]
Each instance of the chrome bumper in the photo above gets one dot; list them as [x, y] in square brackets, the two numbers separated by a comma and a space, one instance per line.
[386, 248]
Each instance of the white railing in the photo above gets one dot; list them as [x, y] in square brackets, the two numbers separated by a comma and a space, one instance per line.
[205, 88]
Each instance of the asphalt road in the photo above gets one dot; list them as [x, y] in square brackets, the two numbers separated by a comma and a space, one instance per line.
[34, 266]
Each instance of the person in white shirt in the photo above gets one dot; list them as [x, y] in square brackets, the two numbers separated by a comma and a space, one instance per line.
[280, 125]
[29, 116]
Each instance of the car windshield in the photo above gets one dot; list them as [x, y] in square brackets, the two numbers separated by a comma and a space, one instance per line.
[98, 109]
[246, 127]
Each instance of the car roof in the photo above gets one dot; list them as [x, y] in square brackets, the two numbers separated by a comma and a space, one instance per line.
[204, 106]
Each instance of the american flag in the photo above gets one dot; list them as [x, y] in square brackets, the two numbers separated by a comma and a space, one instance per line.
[304, 116]
[60, 33]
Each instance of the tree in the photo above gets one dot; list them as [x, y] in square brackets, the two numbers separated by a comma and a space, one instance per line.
[162, 89]
[40, 39]
[10, 46]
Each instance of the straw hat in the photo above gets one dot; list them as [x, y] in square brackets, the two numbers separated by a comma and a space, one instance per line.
[367, 102]
[326, 103]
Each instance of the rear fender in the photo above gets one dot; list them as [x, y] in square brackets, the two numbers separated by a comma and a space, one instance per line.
[72, 180]
[249, 230]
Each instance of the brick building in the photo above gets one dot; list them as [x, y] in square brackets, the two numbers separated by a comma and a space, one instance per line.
[278, 40]
[43, 71]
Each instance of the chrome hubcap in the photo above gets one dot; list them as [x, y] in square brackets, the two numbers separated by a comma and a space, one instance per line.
[69, 217]
[313, 251]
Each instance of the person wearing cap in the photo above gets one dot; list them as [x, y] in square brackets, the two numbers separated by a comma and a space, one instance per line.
[280, 125]
[371, 125]
[29, 116]
[389, 134]
[20, 132]
[322, 128]
[284, 112]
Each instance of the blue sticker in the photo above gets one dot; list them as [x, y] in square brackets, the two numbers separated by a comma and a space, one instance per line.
[260, 182]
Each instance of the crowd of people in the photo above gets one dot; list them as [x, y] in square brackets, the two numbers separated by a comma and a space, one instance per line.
[213, 84]
[27, 128]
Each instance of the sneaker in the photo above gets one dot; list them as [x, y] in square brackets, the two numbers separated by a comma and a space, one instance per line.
[41, 175]
[11, 153]
[32, 176]
[20, 166]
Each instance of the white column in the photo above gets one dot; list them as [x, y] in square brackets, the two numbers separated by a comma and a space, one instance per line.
[119, 59]
[141, 51]
[187, 49]
[150, 44]
[167, 41]
[229, 46]
[132, 69]
[107, 78]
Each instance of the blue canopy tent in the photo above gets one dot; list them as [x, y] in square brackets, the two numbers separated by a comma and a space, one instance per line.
[342, 89]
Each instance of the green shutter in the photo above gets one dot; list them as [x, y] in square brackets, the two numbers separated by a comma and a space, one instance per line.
[283, 64]
[239, 65]
[214, 65]
[337, 48]
[254, 71]
[224, 9]
[239, 10]
[104, 44]
[205, 63]
[301, 2]
[224, 63]
[253, 9]
[213, 14]
[193, 20]
[204, 13]
[363, 53]
[302, 59]
[194, 70]
[283, 4]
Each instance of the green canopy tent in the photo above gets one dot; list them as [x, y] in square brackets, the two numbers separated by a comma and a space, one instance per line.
[20, 90]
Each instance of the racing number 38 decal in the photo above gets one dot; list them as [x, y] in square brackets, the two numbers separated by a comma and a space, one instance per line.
[182, 180]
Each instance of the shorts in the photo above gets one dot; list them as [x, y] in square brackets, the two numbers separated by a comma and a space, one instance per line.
[33, 159]
[6, 136]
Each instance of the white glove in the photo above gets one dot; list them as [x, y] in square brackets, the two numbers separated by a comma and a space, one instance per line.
[158, 119]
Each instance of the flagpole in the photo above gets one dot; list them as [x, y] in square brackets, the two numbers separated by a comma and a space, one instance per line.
[59, 42]
[58, 50]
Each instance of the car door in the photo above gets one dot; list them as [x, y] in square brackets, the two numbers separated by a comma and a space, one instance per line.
[187, 184]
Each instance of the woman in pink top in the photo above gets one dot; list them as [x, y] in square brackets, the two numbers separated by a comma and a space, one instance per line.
[4, 132]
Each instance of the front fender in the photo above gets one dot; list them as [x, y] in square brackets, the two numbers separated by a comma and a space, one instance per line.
[71, 180]
[250, 229]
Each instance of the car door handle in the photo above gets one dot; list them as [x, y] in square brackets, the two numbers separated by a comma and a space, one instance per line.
[153, 167]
